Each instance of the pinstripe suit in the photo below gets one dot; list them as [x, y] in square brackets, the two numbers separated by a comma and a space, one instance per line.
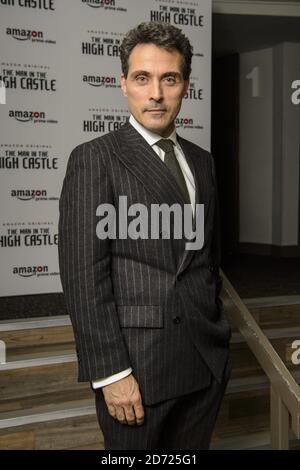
[146, 304]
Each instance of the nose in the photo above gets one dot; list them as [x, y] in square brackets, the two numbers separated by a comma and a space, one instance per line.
[156, 91]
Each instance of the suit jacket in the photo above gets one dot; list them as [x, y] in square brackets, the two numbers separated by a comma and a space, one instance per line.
[146, 303]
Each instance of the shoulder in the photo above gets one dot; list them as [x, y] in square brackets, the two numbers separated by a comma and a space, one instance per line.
[201, 155]
[106, 142]
[100, 148]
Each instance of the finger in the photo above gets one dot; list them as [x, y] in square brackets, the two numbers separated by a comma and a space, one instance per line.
[130, 416]
[120, 414]
[112, 410]
[139, 414]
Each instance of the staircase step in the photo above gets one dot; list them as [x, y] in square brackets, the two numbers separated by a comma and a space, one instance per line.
[96, 446]
[34, 323]
[64, 429]
[36, 376]
[275, 312]
[278, 316]
[38, 427]
[56, 373]
[272, 333]
[15, 405]
[48, 412]
[244, 415]
[41, 400]
[274, 301]
[245, 363]
[32, 373]
[36, 332]
[238, 391]
[34, 357]
[252, 441]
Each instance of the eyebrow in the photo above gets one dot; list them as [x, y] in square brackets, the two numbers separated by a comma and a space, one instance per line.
[166, 74]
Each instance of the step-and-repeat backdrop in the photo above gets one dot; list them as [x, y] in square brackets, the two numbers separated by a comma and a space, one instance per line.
[60, 66]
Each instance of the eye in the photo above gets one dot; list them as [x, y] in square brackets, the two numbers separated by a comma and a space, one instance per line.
[170, 80]
[141, 79]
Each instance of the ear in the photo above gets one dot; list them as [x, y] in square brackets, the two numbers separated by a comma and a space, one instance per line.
[123, 84]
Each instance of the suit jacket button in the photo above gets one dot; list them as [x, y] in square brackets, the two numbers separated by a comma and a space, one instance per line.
[176, 320]
[211, 268]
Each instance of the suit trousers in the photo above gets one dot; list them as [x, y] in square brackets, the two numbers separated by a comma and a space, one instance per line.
[182, 423]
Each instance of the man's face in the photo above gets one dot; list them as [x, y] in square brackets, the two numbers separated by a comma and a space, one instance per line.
[154, 87]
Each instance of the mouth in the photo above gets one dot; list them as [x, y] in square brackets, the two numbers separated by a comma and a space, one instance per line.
[156, 111]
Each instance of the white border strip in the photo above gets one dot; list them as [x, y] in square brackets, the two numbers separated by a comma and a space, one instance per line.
[39, 361]
[34, 323]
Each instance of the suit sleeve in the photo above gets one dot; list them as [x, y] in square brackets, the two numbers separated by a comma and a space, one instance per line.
[84, 262]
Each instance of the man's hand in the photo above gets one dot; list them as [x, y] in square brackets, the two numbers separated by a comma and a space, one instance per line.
[124, 401]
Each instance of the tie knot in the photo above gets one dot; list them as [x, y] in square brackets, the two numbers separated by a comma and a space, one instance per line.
[166, 145]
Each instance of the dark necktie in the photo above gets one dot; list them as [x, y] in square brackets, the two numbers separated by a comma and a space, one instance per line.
[170, 160]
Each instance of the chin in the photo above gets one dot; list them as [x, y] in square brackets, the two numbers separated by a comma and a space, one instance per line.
[157, 127]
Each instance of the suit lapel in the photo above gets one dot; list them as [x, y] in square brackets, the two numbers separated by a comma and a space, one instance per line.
[197, 162]
[191, 157]
[139, 157]
[145, 164]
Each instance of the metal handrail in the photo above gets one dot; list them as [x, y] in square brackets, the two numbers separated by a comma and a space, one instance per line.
[284, 390]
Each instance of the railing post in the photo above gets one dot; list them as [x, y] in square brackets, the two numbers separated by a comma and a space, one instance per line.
[279, 422]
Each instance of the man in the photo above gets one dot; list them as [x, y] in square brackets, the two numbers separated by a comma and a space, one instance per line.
[150, 332]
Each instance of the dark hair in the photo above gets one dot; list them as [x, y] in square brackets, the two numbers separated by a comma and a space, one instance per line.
[162, 35]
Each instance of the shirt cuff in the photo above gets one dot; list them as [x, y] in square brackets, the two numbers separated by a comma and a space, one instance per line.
[111, 379]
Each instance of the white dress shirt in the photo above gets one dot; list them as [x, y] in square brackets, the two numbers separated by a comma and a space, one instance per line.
[151, 138]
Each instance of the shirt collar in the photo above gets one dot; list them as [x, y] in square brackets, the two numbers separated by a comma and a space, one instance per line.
[150, 137]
